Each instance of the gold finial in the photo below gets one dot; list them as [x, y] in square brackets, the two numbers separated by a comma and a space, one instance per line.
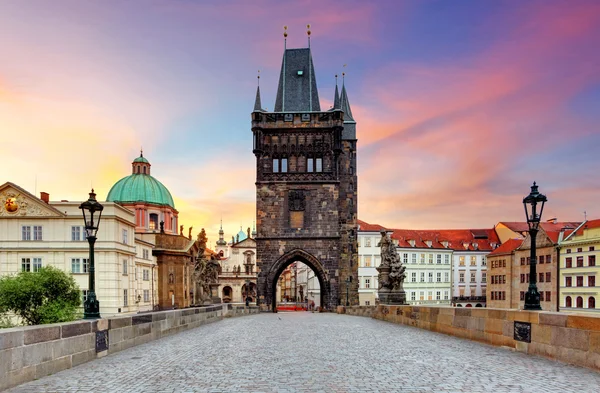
[308, 29]
[284, 31]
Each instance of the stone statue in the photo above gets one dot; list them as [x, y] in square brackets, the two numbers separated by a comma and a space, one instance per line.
[190, 233]
[206, 271]
[181, 230]
[391, 273]
[162, 227]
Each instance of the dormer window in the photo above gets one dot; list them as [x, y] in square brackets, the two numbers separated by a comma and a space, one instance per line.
[428, 242]
[445, 244]
[411, 242]
[466, 245]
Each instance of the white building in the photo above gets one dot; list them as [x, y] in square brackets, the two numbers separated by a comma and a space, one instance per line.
[442, 266]
[237, 279]
[36, 232]
[369, 257]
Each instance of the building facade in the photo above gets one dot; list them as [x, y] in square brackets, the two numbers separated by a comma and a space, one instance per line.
[369, 258]
[579, 270]
[500, 263]
[237, 279]
[37, 232]
[306, 185]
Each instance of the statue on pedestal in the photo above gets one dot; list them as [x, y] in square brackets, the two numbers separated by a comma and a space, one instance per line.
[391, 273]
[206, 273]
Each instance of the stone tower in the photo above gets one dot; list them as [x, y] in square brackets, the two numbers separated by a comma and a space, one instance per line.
[306, 185]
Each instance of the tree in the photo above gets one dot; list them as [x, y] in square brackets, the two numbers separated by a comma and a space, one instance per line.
[46, 296]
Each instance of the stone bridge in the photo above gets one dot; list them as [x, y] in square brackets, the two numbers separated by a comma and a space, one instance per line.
[303, 352]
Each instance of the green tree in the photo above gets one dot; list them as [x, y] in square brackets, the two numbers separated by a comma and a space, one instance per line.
[46, 296]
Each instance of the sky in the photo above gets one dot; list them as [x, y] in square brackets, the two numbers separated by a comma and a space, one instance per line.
[460, 105]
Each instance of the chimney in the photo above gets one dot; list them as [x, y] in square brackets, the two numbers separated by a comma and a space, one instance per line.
[44, 196]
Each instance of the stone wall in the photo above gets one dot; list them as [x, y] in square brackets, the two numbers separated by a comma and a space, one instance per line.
[32, 352]
[570, 338]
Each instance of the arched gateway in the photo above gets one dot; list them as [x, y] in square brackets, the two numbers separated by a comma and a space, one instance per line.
[284, 261]
[306, 185]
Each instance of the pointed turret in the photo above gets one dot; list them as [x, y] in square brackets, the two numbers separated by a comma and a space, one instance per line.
[257, 104]
[297, 91]
[345, 104]
[221, 241]
[336, 98]
[349, 122]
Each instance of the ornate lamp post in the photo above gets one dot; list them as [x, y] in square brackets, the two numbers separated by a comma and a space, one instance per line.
[91, 306]
[532, 297]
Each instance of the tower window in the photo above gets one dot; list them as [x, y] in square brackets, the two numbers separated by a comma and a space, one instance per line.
[275, 165]
[319, 165]
[153, 224]
[144, 170]
[284, 165]
[310, 165]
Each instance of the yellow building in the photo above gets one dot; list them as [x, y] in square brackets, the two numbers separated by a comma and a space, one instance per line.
[579, 269]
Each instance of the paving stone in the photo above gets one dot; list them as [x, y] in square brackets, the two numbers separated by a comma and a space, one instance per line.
[316, 352]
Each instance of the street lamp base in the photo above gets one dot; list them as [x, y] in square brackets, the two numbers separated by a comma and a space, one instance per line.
[91, 307]
[532, 301]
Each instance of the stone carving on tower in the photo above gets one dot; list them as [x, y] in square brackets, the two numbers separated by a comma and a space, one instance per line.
[391, 273]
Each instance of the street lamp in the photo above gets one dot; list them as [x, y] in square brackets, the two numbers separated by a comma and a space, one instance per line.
[532, 297]
[91, 306]
[348, 281]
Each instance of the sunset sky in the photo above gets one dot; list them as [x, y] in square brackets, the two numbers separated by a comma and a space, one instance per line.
[460, 105]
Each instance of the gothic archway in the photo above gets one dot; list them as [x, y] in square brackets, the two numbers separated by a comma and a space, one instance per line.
[297, 255]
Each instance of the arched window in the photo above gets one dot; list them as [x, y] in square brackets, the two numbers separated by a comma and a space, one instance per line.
[144, 170]
[138, 169]
[592, 302]
[153, 223]
[568, 302]
[579, 302]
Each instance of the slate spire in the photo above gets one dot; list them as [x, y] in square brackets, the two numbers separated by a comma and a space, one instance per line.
[297, 89]
[257, 104]
[345, 104]
[336, 98]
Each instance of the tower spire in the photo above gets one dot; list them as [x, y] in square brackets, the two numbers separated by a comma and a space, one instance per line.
[344, 102]
[257, 103]
[336, 98]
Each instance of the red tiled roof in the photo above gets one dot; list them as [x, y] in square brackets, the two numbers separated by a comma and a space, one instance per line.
[456, 239]
[507, 247]
[516, 226]
[547, 226]
[366, 227]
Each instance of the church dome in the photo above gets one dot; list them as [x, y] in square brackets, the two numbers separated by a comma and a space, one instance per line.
[242, 235]
[140, 187]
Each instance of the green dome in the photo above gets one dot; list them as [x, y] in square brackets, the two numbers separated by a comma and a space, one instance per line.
[141, 159]
[140, 188]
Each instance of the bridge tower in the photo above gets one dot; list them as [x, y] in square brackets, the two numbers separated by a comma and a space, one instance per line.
[306, 185]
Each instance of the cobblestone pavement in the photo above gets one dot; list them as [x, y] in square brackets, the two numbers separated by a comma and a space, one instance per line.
[306, 352]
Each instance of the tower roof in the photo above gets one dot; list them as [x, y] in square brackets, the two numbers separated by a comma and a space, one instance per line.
[345, 105]
[336, 98]
[257, 103]
[297, 90]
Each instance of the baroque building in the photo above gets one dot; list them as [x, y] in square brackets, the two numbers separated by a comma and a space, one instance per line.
[156, 221]
[36, 232]
[237, 278]
[306, 185]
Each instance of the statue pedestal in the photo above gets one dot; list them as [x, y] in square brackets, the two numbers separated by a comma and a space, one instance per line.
[392, 297]
[385, 294]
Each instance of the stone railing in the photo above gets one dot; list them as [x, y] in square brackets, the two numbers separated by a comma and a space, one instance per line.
[570, 338]
[32, 352]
